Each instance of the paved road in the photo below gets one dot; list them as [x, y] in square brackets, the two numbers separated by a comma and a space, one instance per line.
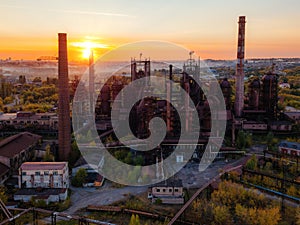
[82, 197]
[190, 175]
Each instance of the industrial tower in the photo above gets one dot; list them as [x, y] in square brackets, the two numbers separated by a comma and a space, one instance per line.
[64, 128]
[239, 97]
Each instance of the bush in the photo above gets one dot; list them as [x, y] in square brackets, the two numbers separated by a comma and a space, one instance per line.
[158, 201]
[79, 178]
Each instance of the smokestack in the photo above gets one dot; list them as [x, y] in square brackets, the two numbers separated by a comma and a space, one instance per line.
[239, 96]
[169, 96]
[64, 125]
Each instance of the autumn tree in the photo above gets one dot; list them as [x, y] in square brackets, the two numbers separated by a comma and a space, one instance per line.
[134, 220]
[252, 163]
[255, 216]
[233, 204]
[48, 157]
[298, 216]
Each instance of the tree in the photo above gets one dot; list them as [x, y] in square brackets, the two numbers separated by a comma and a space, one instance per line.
[271, 141]
[255, 216]
[3, 195]
[138, 160]
[252, 163]
[268, 167]
[244, 140]
[48, 157]
[222, 215]
[74, 155]
[79, 178]
[240, 140]
[37, 79]
[292, 191]
[1, 104]
[298, 216]
[134, 220]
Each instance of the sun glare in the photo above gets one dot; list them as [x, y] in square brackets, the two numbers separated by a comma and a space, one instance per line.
[87, 46]
[86, 53]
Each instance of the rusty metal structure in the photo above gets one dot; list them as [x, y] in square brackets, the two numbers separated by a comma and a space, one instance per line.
[269, 95]
[239, 97]
[64, 130]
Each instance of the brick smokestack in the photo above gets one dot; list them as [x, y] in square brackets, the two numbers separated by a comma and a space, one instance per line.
[239, 96]
[64, 125]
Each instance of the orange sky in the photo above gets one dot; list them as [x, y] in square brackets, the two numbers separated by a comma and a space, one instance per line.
[29, 28]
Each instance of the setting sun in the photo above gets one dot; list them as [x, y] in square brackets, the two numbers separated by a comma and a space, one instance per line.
[86, 53]
[87, 46]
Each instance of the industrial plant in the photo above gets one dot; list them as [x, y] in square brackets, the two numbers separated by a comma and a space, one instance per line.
[40, 168]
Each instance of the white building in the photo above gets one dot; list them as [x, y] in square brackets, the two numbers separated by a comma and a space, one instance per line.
[290, 148]
[169, 192]
[44, 175]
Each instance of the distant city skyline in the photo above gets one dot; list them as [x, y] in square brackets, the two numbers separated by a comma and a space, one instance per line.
[29, 28]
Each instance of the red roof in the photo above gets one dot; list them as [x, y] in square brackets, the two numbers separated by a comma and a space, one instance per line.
[13, 145]
[43, 165]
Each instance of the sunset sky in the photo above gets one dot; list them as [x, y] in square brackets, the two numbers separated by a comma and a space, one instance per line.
[29, 28]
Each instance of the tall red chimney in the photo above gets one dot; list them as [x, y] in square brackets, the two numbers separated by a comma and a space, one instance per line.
[239, 96]
[64, 124]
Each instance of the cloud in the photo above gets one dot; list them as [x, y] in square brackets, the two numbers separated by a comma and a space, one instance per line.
[93, 13]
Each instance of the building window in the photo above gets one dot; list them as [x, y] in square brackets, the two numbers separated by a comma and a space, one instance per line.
[176, 190]
[46, 173]
[170, 190]
[23, 173]
[37, 173]
[164, 190]
[55, 172]
[157, 190]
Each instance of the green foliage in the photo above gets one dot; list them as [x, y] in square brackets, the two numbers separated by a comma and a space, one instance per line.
[298, 216]
[221, 215]
[292, 191]
[48, 157]
[139, 160]
[8, 100]
[244, 140]
[255, 216]
[134, 174]
[36, 107]
[6, 89]
[127, 157]
[39, 99]
[252, 163]
[158, 201]
[79, 178]
[74, 155]
[1, 104]
[134, 220]
[232, 204]
[62, 206]
[3, 195]
[268, 166]
[271, 141]
[40, 204]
